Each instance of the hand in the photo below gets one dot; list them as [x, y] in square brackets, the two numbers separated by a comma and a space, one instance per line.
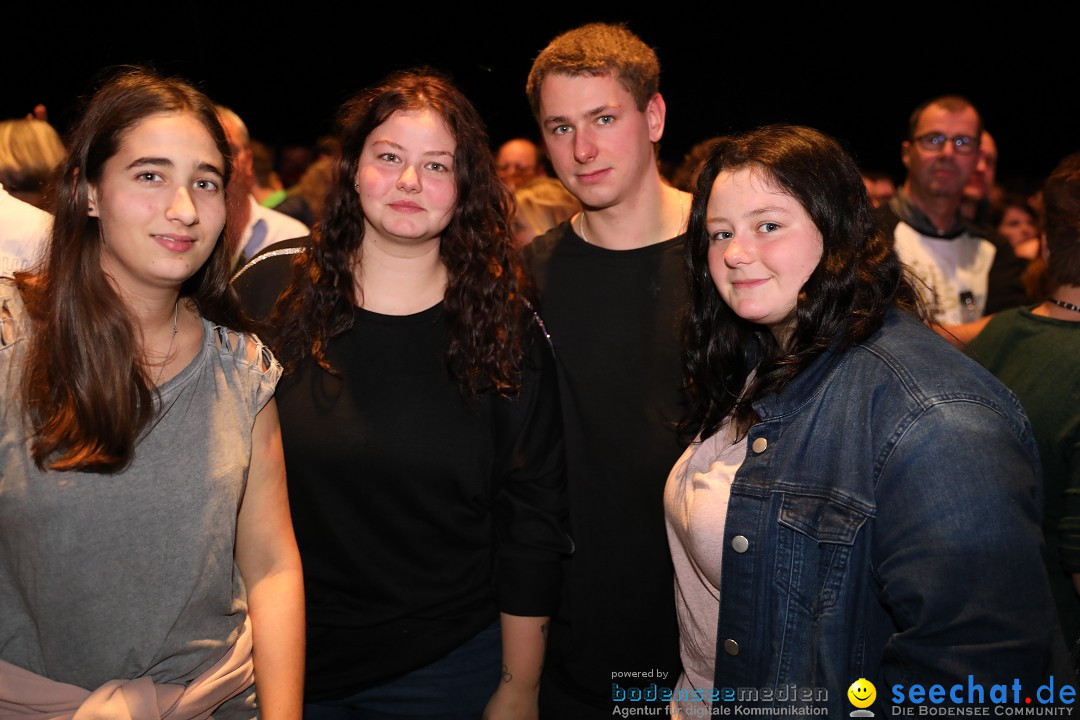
[509, 703]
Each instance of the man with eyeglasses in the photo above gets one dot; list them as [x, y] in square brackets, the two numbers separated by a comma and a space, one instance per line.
[954, 265]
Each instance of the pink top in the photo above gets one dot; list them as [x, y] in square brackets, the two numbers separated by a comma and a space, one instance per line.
[25, 695]
[695, 504]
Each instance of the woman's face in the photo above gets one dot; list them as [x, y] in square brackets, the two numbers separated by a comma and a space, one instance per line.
[160, 202]
[406, 181]
[1018, 226]
[763, 247]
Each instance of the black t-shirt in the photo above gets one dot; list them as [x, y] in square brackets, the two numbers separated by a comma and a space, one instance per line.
[615, 322]
[419, 514]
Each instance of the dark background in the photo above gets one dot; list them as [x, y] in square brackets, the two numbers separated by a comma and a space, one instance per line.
[847, 73]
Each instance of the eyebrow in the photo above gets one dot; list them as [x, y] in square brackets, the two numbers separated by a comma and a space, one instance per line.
[395, 146]
[594, 112]
[752, 214]
[166, 162]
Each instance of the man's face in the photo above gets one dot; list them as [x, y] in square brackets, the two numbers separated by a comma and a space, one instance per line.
[941, 172]
[599, 143]
[240, 184]
[982, 180]
[517, 162]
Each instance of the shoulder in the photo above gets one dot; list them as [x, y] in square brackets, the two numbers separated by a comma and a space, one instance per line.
[924, 369]
[540, 250]
[280, 225]
[245, 359]
[1000, 324]
[262, 279]
[24, 233]
[14, 322]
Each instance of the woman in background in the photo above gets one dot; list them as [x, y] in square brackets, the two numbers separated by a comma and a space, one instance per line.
[539, 205]
[420, 421]
[1018, 222]
[862, 501]
[1034, 351]
[146, 551]
[30, 150]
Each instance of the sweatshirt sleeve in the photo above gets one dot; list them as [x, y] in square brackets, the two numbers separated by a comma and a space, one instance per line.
[530, 506]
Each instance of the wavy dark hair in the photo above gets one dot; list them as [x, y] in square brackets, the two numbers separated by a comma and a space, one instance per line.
[843, 302]
[88, 394]
[484, 305]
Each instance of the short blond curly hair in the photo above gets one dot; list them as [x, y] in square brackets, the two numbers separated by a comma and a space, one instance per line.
[598, 49]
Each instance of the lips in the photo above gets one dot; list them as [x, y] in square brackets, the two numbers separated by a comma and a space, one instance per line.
[175, 242]
[748, 284]
[406, 206]
[593, 177]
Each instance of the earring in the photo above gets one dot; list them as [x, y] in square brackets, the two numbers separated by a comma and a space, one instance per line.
[356, 186]
[90, 209]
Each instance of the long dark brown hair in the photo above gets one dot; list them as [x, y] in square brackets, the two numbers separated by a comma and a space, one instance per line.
[844, 302]
[88, 395]
[484, 306]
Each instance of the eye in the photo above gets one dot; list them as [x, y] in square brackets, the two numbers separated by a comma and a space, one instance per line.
[388, 157]
[438, 167]
[768, 227]
[720, 236]
[210, 186]
[149, 177]
[560, 129]
[605, 119]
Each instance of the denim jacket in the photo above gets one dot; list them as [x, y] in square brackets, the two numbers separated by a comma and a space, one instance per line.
[885, 525]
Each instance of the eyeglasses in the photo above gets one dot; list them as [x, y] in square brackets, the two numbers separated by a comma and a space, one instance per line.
[935, 143]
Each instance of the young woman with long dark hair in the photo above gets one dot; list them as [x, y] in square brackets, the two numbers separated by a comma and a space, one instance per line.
[420, 420]
[861, 502]
[146, 552]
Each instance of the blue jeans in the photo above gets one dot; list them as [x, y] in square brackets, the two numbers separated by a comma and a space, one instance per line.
[456, 687]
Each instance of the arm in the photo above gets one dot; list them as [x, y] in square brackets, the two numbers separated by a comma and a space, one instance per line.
[270, 565]
[530, 519]
[961, 335]
[1069, 526]
[958, 552]
[523, 643]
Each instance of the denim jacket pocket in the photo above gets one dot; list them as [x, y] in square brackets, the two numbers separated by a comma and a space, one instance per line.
[814, 546]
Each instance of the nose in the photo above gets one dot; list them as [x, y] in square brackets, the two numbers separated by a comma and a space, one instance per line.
[736, 253]
[409, 180]
[182, 208]
[584, 148]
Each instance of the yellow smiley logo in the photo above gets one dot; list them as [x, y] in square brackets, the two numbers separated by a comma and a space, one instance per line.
[862, 693]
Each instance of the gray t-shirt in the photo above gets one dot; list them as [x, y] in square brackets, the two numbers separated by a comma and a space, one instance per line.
[117, 576]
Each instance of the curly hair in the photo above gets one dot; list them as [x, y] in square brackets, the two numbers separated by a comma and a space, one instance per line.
[598, 49]
[843, 302]
[87, 392]
[485, 309]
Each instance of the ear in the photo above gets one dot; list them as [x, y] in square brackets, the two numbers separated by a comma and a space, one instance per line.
[655, 113]
[1044, 250]
[91, 195]
[905, 148]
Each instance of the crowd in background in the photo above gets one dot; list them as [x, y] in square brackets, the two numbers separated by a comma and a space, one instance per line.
[761, 417]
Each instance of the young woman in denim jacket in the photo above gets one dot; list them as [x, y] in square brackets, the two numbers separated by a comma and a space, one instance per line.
[862, 501]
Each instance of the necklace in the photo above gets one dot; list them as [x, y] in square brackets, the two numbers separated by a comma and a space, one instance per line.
[1066, 305]
[581, 226]
[682, 219]
[172, 339]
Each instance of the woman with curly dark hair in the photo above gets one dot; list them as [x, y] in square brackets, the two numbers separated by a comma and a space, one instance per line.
[147, 560]
[420, 420]
[861, 500]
